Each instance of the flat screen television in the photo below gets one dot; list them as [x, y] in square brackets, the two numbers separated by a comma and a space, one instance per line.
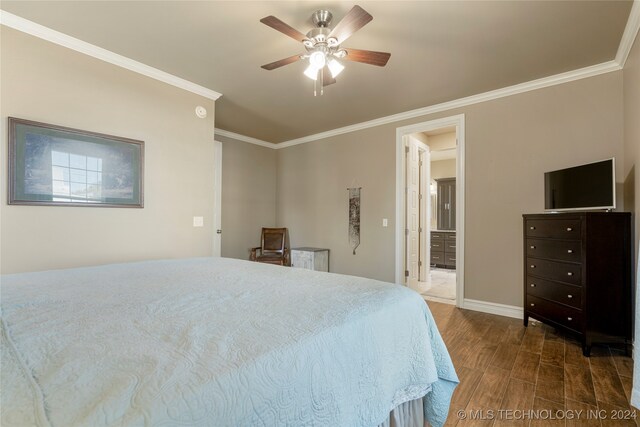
[586, 187]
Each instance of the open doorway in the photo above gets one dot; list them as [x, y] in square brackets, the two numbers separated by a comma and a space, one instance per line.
[430, 206]
[439, 223]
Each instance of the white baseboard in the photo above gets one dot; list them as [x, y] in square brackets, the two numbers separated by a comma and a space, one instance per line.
[635, 398]
[493, 308]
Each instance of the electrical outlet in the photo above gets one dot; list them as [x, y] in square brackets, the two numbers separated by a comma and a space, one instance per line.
[385, 222]
[198, 221]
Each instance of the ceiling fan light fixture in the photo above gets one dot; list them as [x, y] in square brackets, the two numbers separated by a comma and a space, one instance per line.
[317, 59]
[311, 72]
[322, 44]
[335, 67]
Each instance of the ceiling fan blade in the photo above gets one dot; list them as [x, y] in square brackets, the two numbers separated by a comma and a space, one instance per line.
[352, 22]
[278, 25]
[327, 78]
[367, 56]
[281, 63]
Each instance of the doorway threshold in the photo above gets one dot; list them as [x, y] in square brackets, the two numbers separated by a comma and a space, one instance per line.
[440, 300]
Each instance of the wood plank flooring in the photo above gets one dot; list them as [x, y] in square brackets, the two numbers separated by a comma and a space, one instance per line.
[504, 366]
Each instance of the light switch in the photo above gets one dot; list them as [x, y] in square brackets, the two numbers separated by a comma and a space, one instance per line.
[198, 221]
[385, 222]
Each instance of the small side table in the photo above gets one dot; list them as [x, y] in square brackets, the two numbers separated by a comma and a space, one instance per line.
[310, 258]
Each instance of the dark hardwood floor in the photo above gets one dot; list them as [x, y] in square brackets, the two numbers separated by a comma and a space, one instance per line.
[504, 366]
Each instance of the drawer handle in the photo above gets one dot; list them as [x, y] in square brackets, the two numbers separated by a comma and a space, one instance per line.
[532, 228]
[452, 259]
[436, 257]
[569, 319]
[569, 274]
[569, 251]
[532, 247]
[533, 266]
[533, 305]
[569, 229]
[569, 296]
[533, 285]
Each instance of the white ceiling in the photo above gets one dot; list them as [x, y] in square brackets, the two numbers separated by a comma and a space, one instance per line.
[440, 51]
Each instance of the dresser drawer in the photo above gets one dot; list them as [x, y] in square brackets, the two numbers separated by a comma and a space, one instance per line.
[562, 250]
[554, 270]
[554, 291]
[567, 316]
[450, 260]
[450, 246]
[553, 228]
[435, 235]
[437, 257]
[437, 245]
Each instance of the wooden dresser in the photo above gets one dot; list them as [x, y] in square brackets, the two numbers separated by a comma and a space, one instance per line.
[577, 274]
[443, 249]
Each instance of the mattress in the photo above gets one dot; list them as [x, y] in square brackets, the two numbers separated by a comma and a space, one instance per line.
[215, 342]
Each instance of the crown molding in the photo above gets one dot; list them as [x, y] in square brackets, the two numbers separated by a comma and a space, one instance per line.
[29, 27]
[629, 35]
[557, 79]
[244, 138]
[624, 48]
[582, 73]
[48, 34]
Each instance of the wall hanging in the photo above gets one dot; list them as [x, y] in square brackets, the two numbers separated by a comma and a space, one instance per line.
[55, 165]
[354, 217]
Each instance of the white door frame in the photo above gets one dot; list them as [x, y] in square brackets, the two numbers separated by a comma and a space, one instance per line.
[458, 121]
[217, 198]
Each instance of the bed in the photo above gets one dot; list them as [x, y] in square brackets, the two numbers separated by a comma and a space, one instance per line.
[217, 342]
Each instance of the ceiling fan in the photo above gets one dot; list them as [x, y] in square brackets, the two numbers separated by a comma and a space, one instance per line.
[323, 45]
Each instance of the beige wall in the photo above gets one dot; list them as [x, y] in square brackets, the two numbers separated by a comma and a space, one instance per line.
[248, 195]
[313, 200]
[443, 141]
[510, 143]
[443, 169]
[48, 83]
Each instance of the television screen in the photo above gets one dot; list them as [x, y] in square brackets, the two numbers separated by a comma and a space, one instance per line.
[590, 186]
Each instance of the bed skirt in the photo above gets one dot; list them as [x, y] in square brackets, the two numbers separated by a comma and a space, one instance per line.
[408, 414]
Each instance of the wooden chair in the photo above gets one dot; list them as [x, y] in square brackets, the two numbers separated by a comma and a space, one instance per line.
[274, 247]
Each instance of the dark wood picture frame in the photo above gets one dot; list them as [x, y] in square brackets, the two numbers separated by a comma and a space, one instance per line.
[56, 183]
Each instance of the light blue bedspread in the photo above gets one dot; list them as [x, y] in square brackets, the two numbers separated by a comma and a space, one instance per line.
[215, 342]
